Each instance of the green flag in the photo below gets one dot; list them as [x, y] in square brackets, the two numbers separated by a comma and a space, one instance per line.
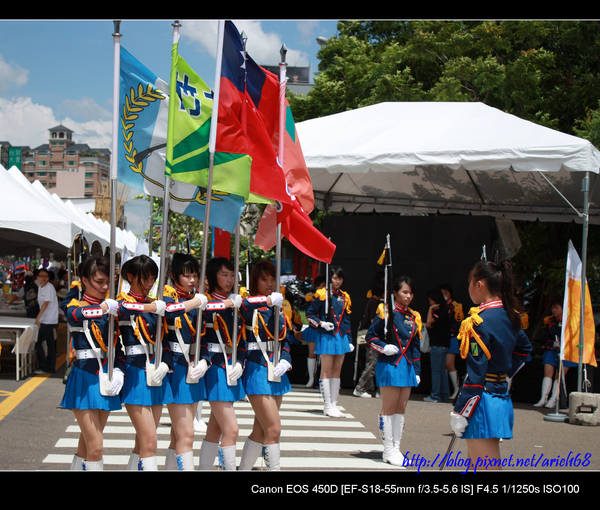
[190, 111]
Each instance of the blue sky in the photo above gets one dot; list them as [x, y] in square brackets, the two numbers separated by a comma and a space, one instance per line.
[61, 71]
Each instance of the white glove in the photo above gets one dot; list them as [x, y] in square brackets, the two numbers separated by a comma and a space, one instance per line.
[160, 372]
[236, 372]
[203, 301]
[199, 370]
[327, 326]
[458, 423]
[351, 347]
[160, 307]
[116, 383]
[237, 300]
[390, 350]
[418, 379]
[276, 299]
[113, 306]
[282, 367]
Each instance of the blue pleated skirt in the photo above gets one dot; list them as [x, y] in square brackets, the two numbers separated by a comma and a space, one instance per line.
[401, 375]
[309, 335]
[136, 392]
[551, 358]
[82, 391]
[331, 344]
[256, 383]
[181, 390]
[493, 418]
[454, 346]
[217, 389]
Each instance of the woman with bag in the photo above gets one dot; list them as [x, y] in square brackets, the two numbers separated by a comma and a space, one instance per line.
[88, 392]
[398, 367]
[146, 388]
[265, 382]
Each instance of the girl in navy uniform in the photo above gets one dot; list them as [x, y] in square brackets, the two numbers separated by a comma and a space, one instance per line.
[551, 358]
[495, 348]
[265, 383]
[186, 380]
[309, 335]
[142, 395]
[457, 308]
[334, 338]
[398, 367]
[89, 318]
[217, 345]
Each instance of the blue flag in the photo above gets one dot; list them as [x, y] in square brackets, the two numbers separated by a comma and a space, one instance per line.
[142, 149]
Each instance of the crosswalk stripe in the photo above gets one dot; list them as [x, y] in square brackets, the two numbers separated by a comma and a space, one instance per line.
[343, 443]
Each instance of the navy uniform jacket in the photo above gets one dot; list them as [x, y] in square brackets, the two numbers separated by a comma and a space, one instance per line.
[338, 312]
[552, 332]
[130, 306]
[216, 311]
[494, 348]
[88, 309]
[259, 304]
[407, 334]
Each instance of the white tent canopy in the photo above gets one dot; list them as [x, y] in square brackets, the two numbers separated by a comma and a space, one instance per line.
[418, 157]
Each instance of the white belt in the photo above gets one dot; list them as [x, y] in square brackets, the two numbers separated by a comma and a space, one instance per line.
[89, 354]
[132, 350]
[176, 347]
[253, 346]
[217, 348]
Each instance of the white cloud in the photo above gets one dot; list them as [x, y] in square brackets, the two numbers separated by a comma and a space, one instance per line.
[23, 122]
[85, 108]
[262, 47]
[11, 74]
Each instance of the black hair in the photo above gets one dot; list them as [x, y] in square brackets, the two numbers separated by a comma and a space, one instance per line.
[183, 263]
[500, 282]
[212, 268]
[140, 267]
[319, 280]
[437, 297]
[94, 265]
[378, 288]
[262, 267]
[401, 280]
[447, 287]
[337, 271]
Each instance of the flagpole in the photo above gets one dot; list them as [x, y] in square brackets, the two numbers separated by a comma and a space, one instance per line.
[586, 192]
[211, 149]
[113, 184]
[234, 335]
[282, 86]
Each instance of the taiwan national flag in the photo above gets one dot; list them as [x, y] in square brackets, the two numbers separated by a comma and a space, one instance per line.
[250, 94]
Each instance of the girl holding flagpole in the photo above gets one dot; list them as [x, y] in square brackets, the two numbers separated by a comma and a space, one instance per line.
[186, 380]
[264, 383]
[330, 313]
[223, 383]
[89, 319]
[144, 393]
[495, 348]
[398, 367]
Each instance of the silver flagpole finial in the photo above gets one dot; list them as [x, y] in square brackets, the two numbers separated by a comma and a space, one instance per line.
[117, 25]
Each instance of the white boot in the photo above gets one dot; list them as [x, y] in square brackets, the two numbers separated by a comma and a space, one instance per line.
[208, 453]
[148, 464]
[76, 463]
[199, 425]
[252, 450]
[132, 465]
[97, 465]
[272, 454]
[391, 454]
[335, 393]
[397, 429]
[552, 402]
[312, 368]
[546, 386]
[329, 409]
[454, 381]
[185, 461]
[227, 458]
[170, 460]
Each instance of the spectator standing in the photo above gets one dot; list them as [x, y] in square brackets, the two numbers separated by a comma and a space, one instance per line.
[47, 321]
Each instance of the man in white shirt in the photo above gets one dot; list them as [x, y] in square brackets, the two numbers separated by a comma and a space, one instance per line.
[47, 320]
